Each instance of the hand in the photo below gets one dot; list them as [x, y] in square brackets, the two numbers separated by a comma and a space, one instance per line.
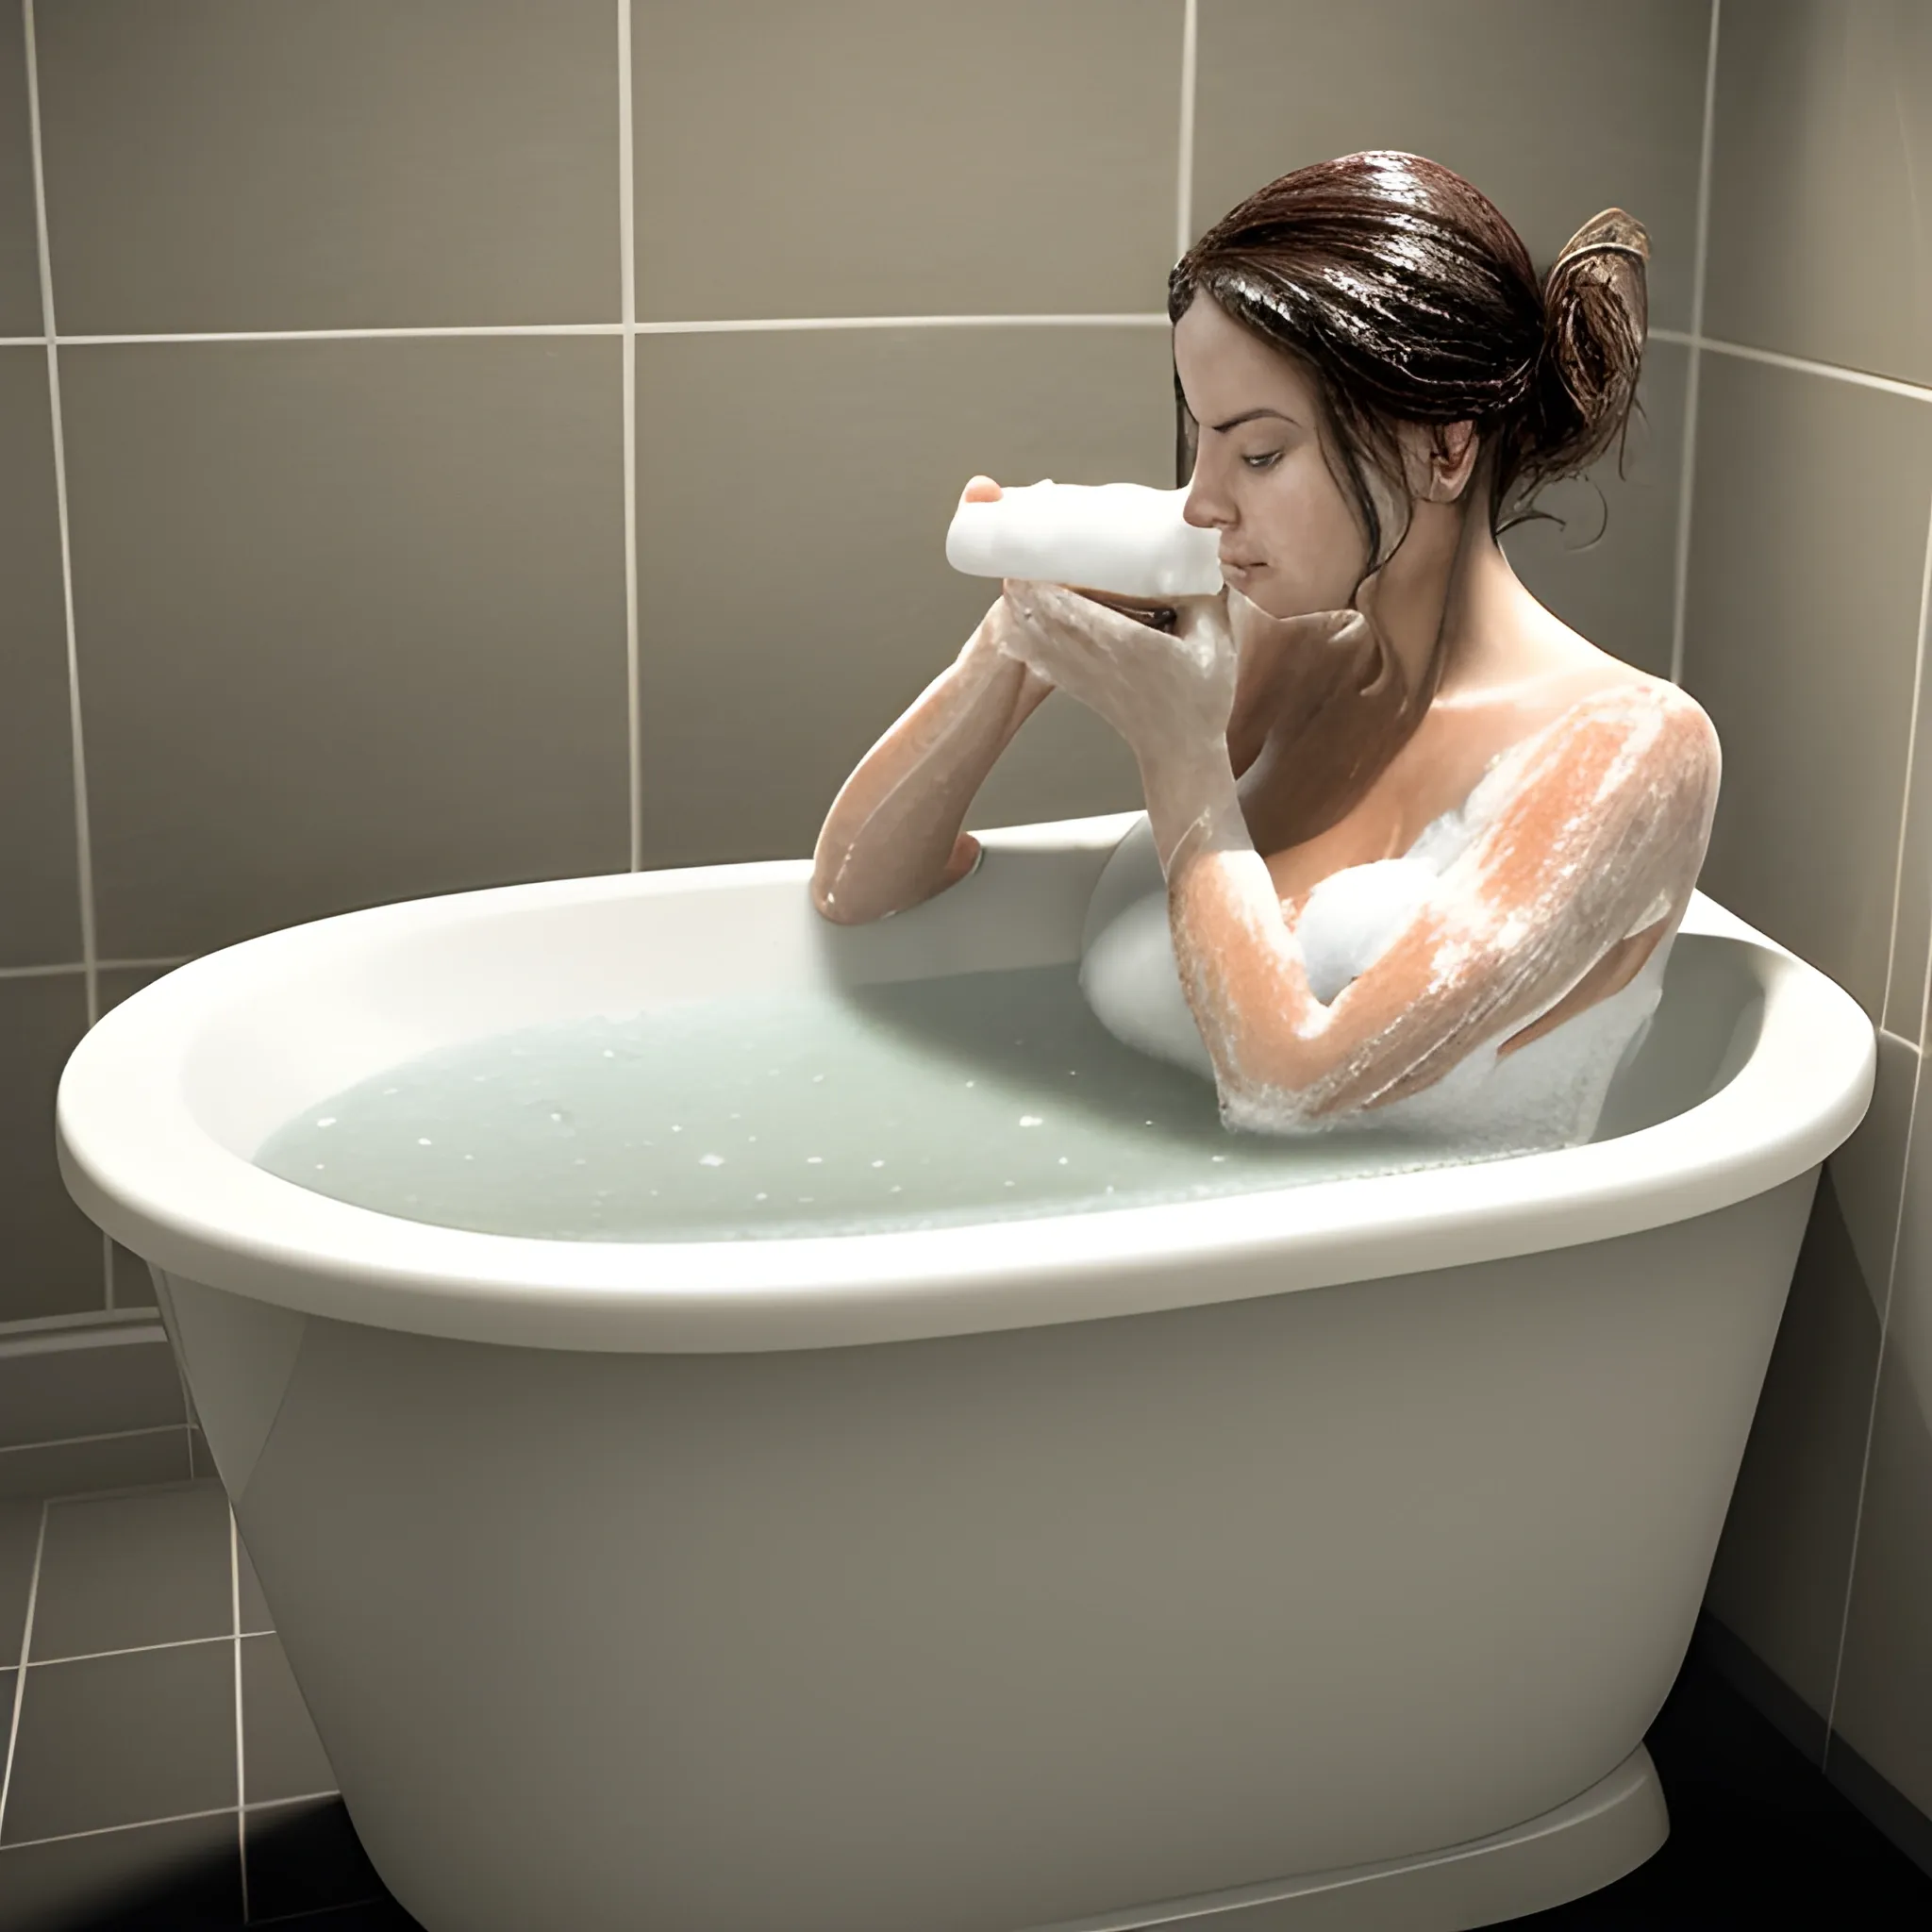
[1168, 695]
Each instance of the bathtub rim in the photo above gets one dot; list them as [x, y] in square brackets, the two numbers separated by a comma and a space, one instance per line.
[143, 1169]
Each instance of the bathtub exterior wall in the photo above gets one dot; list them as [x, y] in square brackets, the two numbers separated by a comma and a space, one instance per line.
[1803, 635]
[1263, 1531]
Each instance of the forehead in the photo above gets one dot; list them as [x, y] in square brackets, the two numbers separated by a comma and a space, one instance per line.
[1227, 369]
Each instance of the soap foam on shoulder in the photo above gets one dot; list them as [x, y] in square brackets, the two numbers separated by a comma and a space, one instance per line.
[1120, 536]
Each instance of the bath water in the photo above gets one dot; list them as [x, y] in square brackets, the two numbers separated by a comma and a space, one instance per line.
[926, 1102]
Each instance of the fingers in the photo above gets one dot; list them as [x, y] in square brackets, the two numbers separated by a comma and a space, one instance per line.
[1056, 610]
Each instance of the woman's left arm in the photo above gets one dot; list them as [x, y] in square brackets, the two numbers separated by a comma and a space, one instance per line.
[1598, 839]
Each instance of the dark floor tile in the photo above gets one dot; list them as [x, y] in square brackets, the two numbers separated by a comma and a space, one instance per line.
[182, 1876]
[282, 1756]
[123, 1572]
[53, 1387]
[306, 1859]
[1757, 1835]
[83, 1468]
[123, 1740]
[20, 1531]
[256, 1614]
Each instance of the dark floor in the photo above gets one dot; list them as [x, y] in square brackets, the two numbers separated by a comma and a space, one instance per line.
[162, 1773]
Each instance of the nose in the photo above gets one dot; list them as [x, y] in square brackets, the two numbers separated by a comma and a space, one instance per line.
[1206, 508]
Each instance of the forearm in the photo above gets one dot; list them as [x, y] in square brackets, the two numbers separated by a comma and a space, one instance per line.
[893, 836]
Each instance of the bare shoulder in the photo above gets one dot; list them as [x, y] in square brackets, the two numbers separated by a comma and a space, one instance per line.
[1653, 723]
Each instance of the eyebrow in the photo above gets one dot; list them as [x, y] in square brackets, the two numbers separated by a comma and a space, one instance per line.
[1249, 416]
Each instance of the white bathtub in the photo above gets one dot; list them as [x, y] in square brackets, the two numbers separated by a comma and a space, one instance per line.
[1314, 1559]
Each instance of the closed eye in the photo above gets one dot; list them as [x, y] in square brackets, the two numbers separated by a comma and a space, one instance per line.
[1267, 460]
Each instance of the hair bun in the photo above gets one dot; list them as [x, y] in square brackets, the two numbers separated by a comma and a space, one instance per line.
[1595, 314]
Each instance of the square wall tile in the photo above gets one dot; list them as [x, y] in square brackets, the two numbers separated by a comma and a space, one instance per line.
[1608, 567]
[123, 1740]
[1807, 551]
[1784, 1561]
[1552, 108]
[902, 158]
[793, 494]
[20, 261]
[1820, 238]
[118, 1572]
[1885, 1685]
[281, 1755]
[182, 1874]
[217, 164]
[352, 625]
[50, 1253]
[254, 1606]
[89, 1382]
[37, 862]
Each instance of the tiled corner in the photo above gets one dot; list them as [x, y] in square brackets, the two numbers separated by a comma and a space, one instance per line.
[185, 1873]
[20, 269]
[868, 158]
[352, 625]
[1782, 1567]
[1821, 236]
[119, 1573]
[1885, 1685]
[284, 1757]
[1552, 108]
[50, 1253]
[768, 668]
[38, 863]
[1911, 930]
[1801, 630]
[1608, 567]
[90, 1382]
[218, 165]
[109, 1741]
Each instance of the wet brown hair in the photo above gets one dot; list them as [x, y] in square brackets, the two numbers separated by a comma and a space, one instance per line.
[1410, 298]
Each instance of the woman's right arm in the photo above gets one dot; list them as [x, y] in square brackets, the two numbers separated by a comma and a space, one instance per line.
[893, 836]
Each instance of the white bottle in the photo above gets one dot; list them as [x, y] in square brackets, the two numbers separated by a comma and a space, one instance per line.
[1119, 537]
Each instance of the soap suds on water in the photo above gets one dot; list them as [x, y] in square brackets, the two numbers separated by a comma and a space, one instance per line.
[931, 1103]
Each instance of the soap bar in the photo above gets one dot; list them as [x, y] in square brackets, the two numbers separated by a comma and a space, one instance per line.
[1119, 537]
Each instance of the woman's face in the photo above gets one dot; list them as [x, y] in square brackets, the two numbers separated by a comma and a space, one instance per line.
[1291, 541]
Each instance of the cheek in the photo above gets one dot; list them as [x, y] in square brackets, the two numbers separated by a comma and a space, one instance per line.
[1310, 535]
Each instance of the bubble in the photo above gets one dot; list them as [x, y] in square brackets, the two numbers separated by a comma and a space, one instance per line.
[1032, 1120]
[424, 1140]
[710, 1160]
[328, 1120]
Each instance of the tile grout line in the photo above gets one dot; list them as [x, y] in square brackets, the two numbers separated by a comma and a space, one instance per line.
[83, 840]
[626, 254]
[94, 1657]
[1184, 178]
[241, 1763]
[26, 1638]
[260, 1805]
[1905, 1175]
[105, 1436]
[1904, 806]
[1687, 467]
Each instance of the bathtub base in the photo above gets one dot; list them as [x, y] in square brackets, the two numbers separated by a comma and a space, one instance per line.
[1580, 1847]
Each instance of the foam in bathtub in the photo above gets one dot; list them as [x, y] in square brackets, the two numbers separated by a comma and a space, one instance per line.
[1119, 537]
[968, 1098]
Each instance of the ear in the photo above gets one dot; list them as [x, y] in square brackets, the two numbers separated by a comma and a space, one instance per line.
[1439, 458]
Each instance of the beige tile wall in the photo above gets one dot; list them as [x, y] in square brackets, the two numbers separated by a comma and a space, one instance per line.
[1805, 621]
[343, 347]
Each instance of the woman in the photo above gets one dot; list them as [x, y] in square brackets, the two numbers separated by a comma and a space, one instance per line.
[1414, 850]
